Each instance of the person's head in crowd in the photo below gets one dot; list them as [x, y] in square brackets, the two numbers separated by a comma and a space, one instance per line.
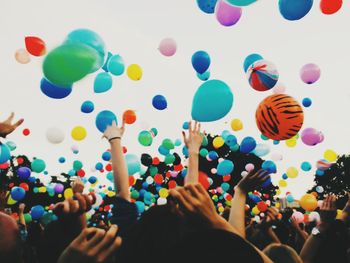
[280, 253]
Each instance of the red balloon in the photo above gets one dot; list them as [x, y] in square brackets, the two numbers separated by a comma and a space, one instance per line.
[35, 46]
[203, 180]
[329, 7]
[25, 186]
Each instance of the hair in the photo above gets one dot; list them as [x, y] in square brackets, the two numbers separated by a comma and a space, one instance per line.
[280, 253]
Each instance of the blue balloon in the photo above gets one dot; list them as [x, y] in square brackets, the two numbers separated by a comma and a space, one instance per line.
[250, 60]
[133, 163]
[200, 61]
[105, 118]
[91, 39]
[37, 212]
[53, 91]
[140, 207]
[103, 82]
[269, 166]
[162, 150]
[248, 144]
[92, 179]
[289, 198]
[207, 6]
[306, 166]
[212, 101]
[205, 76]
[261, 149]
[294, 9]
[109, 55]
[276, 142]
[116, 65]
[284, 176]
[17, 193]
[307, 102]
[225, 167]
[241, 2]
[231, 140]
[5, 154]
[24, 173]
[87, 106]
[185, 125]
[319, 172]
[185, 151]
[99, 166]
[62, 160]
[106, 156]
[213, 155]
[159, 102]
[266, 183]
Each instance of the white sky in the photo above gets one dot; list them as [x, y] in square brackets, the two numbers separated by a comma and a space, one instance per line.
[134, 29]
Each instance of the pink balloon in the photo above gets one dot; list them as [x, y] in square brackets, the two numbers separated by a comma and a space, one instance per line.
[311, 136]
[227, 14]
[167, 47]
[279, 88]
[310, 73]
[249, 167]
[298, 216]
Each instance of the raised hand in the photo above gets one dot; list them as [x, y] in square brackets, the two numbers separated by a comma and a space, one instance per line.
[21, 208]
[328, 209]
[7, 127]
[78, 186]
[114, 132]
[252, 180]
[195, 138]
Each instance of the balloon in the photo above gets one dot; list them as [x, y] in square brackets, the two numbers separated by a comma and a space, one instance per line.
[35, 46]
[55, 135]
[241, 2]
[306, 166]
[292, 172]
[236, 125]
[168, 144]
[248, 144]
[167, 47]
[38, 166]
[298, 216]
[90, 39]
[205, 76]
[200, 61]
[329, 7]
[78, 133]
[261, 149]
[289, 198]
[269, 166]
[294, 9]
[58, 188]
[252, 58]
[308, 202]
[330, 155]
[5, 154]
[207, 6]
[133, 163]
[311, 136]
[262, 75]
[319, 189]
[310, 73]
[231, 140]
[104, 67]
[282, 183]
[227, 14]
[225, 167]
[87, 106]
[129, 116]
[24, 173]
[218, 142]
[145, 138]
[292, 142]
[37, 212]
[159, 102]
[116, 65]
[69, 63]
[17, 193]
[212, 101]
[134, 72]
[12, 146]
[323, 165]
[105, 118]
[53, 91]
[307, 102]
[103, 82]
[279, 117]
[22, 56]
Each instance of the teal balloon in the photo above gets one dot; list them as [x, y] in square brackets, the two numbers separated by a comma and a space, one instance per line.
[116, 65]
[306, 166]
[212, 101]
[204, 76]
[231, 140]
[91, 39]
[261, 150]
[103, 82]
[12, 146]
[87, 106]
[104, 119]
[38, 166]
[241, 2]
[104, 67]
[294, 9]
[225, 167]
[250, 60]
[269, 166]
[133, 163]
[5, 154]
[69, 63]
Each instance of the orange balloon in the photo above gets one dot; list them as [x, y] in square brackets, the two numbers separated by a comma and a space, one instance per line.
[279, 117]
[308, 202]
[129, 116]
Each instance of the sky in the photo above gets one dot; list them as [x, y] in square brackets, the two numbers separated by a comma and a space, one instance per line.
[134, 29]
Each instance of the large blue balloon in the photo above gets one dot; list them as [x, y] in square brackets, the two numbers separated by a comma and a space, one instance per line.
[241, 2]
[91, 39]
[17, 193]
[294, 9]
[24, 172]
[116, 65]
[212, 101]
[200, 61]
[269, 166]
[103, 82]
[53, 91]
[133, 163]
[5, 154]
[37, 212]
[250, 60]
[207, 6]
[248, 144]
[105, 118]
[159, 102]
[225, 167]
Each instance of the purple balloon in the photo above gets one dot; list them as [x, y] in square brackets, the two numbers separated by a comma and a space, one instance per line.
[227, 14]
[310, 73]
[311, 136]
[59, 188]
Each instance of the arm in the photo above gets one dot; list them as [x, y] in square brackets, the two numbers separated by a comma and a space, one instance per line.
[21, 215]
[298, 230]
[271, 216]
[114, 135]
[6, 127]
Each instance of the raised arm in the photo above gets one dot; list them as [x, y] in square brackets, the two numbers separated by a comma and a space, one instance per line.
[193, 142]
[114, 135]
[7, 127]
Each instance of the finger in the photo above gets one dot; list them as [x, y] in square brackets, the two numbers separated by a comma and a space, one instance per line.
[81, 203]
[93, 196]
[190, 126]
[195, 128]
[84, 234]
[108, 238]
[73, 206]
[10, 118]
[96, 238]
[114, 124]
[18, 123]
[201, 189]
[110, 250]
[191, 200]
[88, 202]
[193, 190]
[180, 199]
[123, 124]
[184, 136]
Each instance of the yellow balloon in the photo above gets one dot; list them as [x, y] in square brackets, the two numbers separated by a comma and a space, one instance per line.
[292, 142]
[42, 189]
[339, 214]
[134, 72]
[236, 125]
[68, 193]
[218, 142]
[255, 210]
[292, 172]
[163, 193]
[278, 192]
[282, 183]
[10, 201]
[78, 133]
[308, 202]
[221, 209]
[330, 156]
[110, 194]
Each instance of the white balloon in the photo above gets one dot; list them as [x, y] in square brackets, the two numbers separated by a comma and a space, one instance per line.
[55, 135]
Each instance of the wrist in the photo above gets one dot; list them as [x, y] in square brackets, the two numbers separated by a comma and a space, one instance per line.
[240, 191]
[114, 139]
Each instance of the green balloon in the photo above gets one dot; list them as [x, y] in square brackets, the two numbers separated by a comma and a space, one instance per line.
[69, 63]
[145, 138]
[153, 171]
[38, 165]
[27, 218]
[205, 141]
[168, 144]
[77, 165]
[203, 152]
[135, 194]
[169, 159]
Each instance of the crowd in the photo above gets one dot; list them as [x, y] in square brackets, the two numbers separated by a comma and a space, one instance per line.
[187, 228]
